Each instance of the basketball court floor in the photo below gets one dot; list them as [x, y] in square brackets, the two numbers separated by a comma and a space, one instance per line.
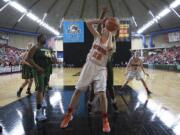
[137, 115]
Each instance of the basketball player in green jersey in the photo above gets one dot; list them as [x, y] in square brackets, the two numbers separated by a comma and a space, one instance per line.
[110, 75]
[38, 57]
[27, 73]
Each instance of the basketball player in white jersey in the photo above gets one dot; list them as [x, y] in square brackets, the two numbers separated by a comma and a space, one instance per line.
[133, 70]
[95, 71]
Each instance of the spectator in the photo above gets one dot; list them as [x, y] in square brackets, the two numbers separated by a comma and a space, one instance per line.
[164, 56]
[9, 56]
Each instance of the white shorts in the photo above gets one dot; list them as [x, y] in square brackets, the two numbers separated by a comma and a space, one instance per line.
[134, 74]
[92, 73]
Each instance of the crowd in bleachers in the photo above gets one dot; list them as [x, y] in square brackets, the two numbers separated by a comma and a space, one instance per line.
[10, 56]
[163, 56]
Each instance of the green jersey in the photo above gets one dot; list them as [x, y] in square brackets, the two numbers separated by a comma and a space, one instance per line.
[42, 57]
[49, 60]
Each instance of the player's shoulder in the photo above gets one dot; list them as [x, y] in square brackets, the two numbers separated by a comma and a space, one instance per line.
[34, 48]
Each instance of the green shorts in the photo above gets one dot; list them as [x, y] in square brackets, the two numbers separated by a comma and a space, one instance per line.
[27, 72]
[40, 80]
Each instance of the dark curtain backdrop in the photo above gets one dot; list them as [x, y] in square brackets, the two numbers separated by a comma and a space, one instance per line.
[123, 53]
[75, 53]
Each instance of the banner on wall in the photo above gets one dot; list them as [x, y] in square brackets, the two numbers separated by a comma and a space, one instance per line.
[60, 56]
[124, 31]
[73, 32]
[4, 38]
[10, 69]
[2, 41]
[174, 36]
[6, 69]
[16, 68]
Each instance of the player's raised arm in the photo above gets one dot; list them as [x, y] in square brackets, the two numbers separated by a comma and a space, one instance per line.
[102, 15]
[91, 28]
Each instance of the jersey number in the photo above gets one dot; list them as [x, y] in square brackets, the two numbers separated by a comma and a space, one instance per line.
[47, 54]
[97, 55]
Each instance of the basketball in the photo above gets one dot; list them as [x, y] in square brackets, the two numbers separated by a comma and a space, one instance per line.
[111, 24]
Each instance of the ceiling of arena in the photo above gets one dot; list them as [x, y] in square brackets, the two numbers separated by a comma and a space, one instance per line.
[84, 9]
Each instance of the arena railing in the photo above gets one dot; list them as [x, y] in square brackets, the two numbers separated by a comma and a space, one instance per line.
[10, 69]
[169, 67]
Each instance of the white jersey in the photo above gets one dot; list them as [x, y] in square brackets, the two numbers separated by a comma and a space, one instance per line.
[99, 52]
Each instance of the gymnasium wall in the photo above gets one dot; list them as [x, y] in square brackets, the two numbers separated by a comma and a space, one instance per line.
[162, 41]
[136, 44]
[20, 41]
[159, 41]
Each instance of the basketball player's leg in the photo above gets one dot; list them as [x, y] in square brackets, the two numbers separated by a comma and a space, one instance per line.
[84, 80]
[39, 98]
[47, 78]
[27, 75]
[91, 96]
[73, 103]
[48, 73]
[39, 83]
[110, 81]
[74, 99]
[26, 81]
[126, 82]
[44, 103]
[82, 84]
[103, 101]
[104, 108]
[146, 87]
[30, 81]
[100, 90]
